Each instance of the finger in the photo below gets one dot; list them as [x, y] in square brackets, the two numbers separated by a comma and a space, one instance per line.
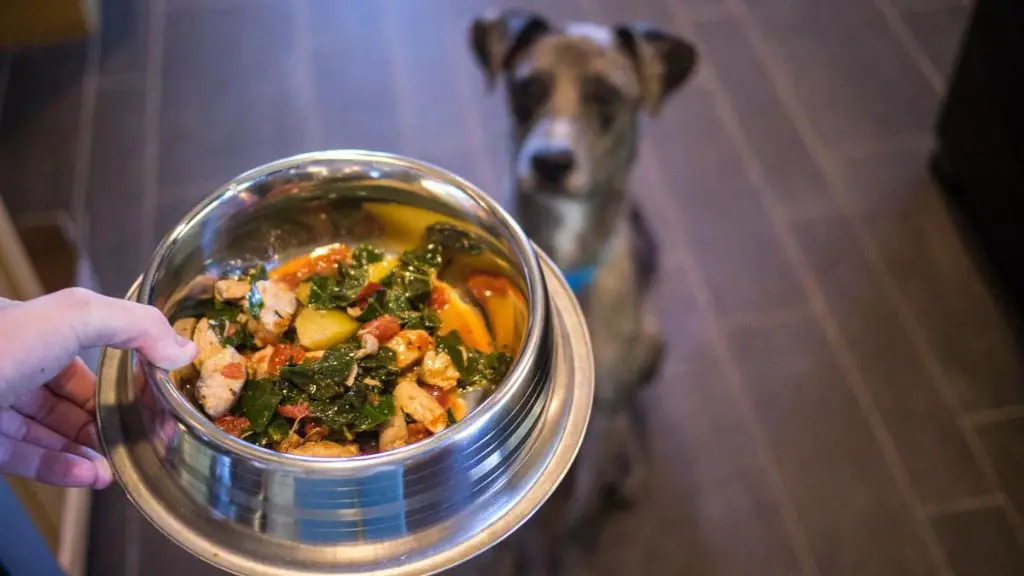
[58, 415]
[77, 384]
[18, 427]
[52, 329]
[51, 466]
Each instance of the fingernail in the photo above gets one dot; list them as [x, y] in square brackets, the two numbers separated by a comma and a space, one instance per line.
[104, 475]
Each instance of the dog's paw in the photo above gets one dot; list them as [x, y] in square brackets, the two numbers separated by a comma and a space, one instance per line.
[628, 483]
[625, 492]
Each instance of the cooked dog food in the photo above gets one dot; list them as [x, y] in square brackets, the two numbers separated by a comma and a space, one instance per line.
[352, 350]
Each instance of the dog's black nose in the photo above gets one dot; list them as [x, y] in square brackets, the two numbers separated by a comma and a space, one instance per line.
[552, 166]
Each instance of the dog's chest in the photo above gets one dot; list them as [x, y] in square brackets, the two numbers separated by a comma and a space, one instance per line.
[611, 305]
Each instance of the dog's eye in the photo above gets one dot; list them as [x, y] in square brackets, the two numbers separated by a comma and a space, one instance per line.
[604, 97]
[528, 95]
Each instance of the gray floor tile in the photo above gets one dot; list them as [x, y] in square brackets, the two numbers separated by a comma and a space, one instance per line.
[849, 74]
[125, 31]
[1002, 441]
[708, 495]
[115, 194]
[980, 543]
[938, 32]
[908, 6]
[440, 90]
[927, 437]
[230, 93]
[171, 209]
[716, 206]
[107, 532]
[796, 181]
[356, 96]
[39, 134]
[162, 557]
[937, 275]
[854, 515]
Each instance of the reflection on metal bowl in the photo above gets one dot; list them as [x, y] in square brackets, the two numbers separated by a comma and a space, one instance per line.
[415, 510]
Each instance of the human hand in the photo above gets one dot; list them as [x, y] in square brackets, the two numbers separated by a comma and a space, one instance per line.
[47, 429]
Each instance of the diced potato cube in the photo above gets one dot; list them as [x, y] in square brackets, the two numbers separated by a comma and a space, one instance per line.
[302, 293]
[321, 329]
[378, 270]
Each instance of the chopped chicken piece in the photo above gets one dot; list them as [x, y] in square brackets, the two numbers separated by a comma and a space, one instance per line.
[185, 327]
[206, 341]
[279, 305]
[327, 449]
[220, 382]
[313, 355]
[438, 370]
[292, 442]
[393, 433]
[409, 346]
[259, 363]
[419, 404]
[231, 290]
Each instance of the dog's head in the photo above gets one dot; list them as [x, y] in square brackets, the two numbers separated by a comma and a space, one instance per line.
[575, 93]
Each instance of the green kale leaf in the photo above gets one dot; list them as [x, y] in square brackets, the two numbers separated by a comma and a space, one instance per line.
[259, 400]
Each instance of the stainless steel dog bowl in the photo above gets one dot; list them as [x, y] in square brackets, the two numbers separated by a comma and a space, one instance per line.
[416, 510]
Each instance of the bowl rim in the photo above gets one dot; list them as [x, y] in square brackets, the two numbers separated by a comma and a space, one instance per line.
[203, 428]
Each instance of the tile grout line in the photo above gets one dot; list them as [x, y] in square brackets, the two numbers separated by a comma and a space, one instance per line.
[910, 44]
[151, 122]
[833, 334]
[399, 68]
[306, 77]
[767, 319]
[132, 540]
[5, 79]
[993, 416]
[489, 174]
[768, 460]
[962, 505]
[84, 143]
[827, 165]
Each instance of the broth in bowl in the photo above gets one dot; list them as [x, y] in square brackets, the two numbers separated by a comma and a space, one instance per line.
[359, 347]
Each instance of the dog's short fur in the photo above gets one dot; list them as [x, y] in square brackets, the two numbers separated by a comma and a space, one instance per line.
[575, 95]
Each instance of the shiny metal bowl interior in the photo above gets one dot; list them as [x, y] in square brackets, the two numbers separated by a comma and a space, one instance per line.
[413, 510]
[284, 209]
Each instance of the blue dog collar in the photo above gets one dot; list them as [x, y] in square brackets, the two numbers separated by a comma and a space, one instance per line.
[579, 279]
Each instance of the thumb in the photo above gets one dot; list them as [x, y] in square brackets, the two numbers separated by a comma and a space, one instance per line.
[43, 335]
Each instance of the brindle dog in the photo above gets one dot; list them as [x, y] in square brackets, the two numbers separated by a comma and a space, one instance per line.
[575, 94]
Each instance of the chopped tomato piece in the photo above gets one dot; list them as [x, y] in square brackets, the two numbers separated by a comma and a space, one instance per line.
[233, 425]
[234, 370]
[313, 429]
[483, 285]
[438, 297]
[369, 290]
[382, 328]
[295, 411]
[283, 355]
[322, 260]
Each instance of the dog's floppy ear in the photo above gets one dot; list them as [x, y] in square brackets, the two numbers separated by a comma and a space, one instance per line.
[662, 61]
[499, 37]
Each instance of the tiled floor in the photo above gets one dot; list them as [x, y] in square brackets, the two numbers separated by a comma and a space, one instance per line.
[842, 396]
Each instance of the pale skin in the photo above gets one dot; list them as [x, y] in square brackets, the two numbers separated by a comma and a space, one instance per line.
[47, 417]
